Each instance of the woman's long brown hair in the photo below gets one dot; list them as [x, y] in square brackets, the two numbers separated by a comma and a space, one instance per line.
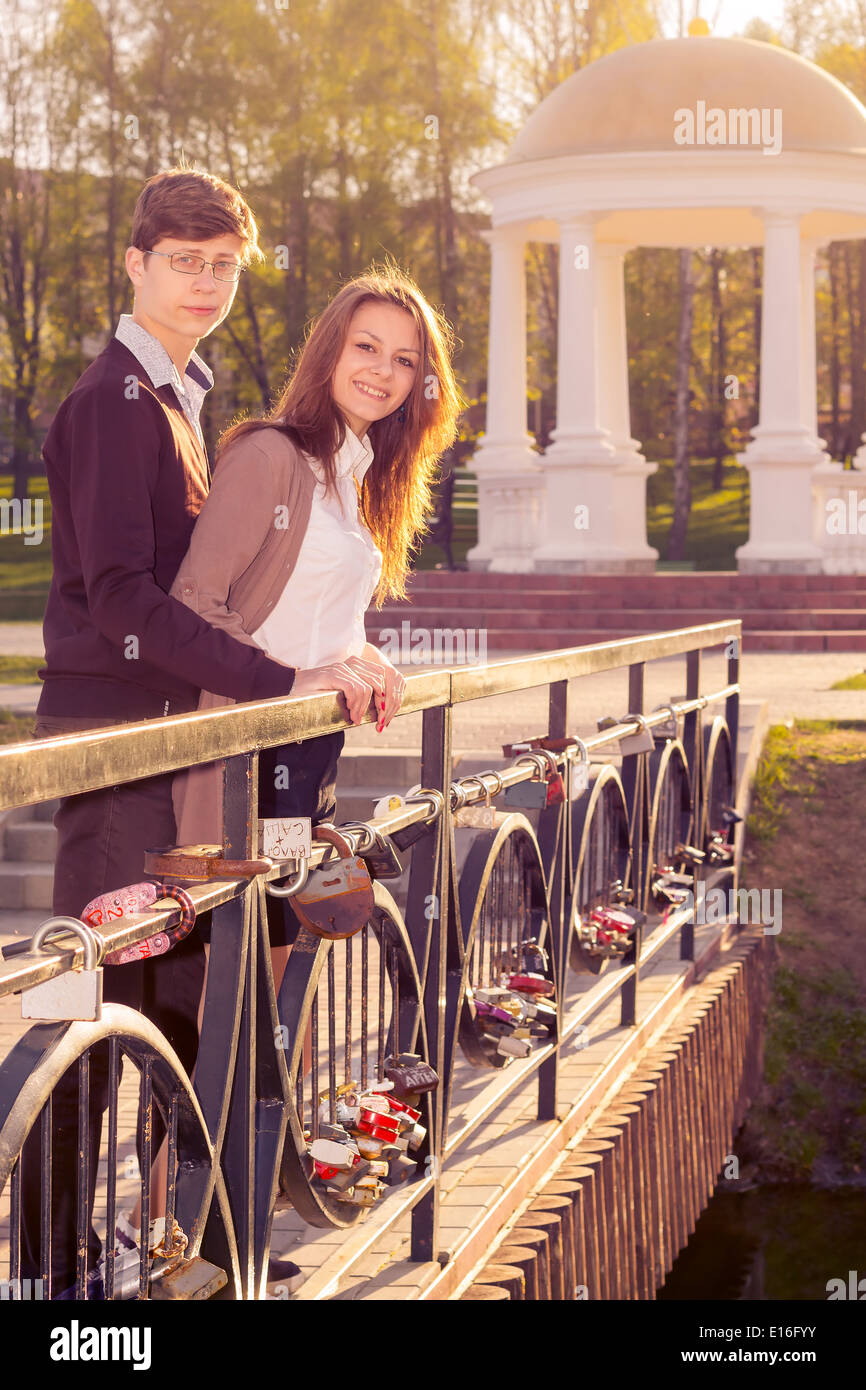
[396, 492]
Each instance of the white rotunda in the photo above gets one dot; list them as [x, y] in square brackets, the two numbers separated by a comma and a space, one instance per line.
[674, 142]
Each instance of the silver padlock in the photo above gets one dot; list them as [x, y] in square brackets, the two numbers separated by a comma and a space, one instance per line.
[578, 772]
[76, 994]
[640, 742]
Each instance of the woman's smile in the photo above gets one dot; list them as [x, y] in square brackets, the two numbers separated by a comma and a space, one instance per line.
[373, 391]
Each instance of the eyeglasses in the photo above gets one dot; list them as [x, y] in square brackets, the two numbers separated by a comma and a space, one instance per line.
[184, 264]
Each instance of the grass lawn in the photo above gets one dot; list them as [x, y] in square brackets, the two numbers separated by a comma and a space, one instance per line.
[15, 728]
[857, 682]
[20, 670]
[809, 1122]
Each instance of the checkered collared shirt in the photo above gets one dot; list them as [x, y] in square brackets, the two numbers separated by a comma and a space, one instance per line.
[197, 380]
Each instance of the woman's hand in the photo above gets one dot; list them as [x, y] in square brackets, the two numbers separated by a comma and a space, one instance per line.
[388, 684]
[359, 679]
[339, 678]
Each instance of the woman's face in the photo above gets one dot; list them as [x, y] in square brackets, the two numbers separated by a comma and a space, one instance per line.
[378, 364]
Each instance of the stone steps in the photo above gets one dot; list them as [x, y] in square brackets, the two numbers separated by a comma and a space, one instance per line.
[534, 612]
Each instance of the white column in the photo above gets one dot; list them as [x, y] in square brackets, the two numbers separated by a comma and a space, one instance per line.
[615, 414]
[509, 479]
[783, 450]
[808, 355]
[580, 466]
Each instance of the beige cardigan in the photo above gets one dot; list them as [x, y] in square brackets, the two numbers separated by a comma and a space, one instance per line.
[244, 546]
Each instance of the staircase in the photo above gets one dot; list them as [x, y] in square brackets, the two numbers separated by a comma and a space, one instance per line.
[28, 843]
[534, 612]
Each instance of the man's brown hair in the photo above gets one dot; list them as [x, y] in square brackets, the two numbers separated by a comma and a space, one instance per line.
[190, 203]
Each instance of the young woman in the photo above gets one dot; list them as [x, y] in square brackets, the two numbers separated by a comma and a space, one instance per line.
[315, 508]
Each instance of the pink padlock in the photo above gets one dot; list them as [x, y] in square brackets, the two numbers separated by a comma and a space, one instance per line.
[140, 897]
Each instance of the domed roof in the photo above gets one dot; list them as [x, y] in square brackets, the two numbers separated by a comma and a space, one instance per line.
[627, 100]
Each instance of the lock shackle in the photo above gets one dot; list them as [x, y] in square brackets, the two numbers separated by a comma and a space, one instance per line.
[491, 772]
[331, 836]
[94, 946]
[552, 769]
[366, 834]
[641, 721]
[538, 763]
[578, 746]
[293, 885]
[673, 710]
[458, 794]
[435, 800]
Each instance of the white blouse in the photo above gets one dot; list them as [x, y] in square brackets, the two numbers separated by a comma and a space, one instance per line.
[319, 617]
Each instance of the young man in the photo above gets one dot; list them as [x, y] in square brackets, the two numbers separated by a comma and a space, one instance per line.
[128, 474]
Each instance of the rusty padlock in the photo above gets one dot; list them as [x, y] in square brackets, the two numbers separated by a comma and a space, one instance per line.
[198, 863]
[337, 900]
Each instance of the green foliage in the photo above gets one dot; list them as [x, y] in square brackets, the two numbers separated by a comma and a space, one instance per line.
[856, 682]
[19, 670]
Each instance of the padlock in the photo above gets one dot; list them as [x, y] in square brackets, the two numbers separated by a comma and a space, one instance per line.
[379, 1103]
[400, 1169]
[377, 1126]
[513, 1047]
[361, 1196]
[618, 893]
[718, 850]
[197, 863]
[410, 1075]
[493, 1018]
[530, 795]
[137, 898]
[730, 816]
[553, 778]
[346, 1115]
[674, 887]
[545, 1014]
[415, 1137]
[381, 858]
[372, 1149]
[342, 1181]
[76, 994]
[477, 816]
[333, 1155]
[535, 795]
[640, 742]
[689, 853]
[402, 1110]
[494, 996]
[533, 958]
[337, 901]
[338, 1133]
[532, 984]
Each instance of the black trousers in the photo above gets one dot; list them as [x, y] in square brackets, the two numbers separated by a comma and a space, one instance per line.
[102, 837]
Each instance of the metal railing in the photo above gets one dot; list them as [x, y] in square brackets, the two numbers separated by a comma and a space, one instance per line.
[238, 1133]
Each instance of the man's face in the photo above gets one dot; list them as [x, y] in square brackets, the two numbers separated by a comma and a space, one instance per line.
[184, 306]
